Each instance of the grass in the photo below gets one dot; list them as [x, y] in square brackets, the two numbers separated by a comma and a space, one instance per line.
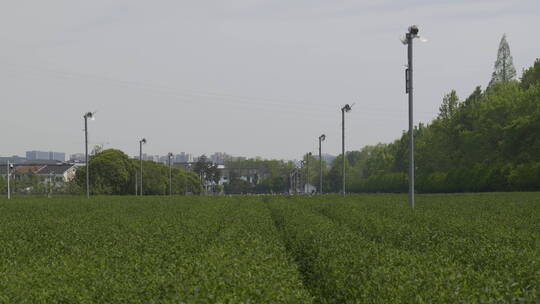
[473, 248]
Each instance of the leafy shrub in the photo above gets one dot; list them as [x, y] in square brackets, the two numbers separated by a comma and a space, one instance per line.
[457, 248]
[525, 177]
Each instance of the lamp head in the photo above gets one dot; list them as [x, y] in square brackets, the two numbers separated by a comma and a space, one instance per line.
[89, 115]
[322, 137]
[143, 141]
[403, 39]
[346, 108]
[413, 33]
[413, 30]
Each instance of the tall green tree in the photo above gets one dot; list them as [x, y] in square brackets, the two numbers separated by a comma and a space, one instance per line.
[449, 106]
[208, 172]
[504, 66]
[488, 142]
[112, 172]
[531, 75]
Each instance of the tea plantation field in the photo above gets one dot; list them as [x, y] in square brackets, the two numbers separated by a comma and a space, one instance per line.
[460, 248]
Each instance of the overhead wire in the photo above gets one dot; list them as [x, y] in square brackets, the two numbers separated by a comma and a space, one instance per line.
[230, 99]
[294, 109]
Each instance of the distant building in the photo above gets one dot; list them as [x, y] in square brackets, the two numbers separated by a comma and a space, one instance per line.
[77, 158]
[144, 156]
[12, 159]
[154, 158]
[63, 172]
[37, 155]
[60, 156]
[220, 158]
[42, 155]
[183, 157]
[42, 162]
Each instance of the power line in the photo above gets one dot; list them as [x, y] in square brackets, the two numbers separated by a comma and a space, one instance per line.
[174, 92]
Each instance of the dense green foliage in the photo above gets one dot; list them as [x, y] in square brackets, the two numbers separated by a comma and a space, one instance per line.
[268, 176]
[113, 172]
[452, 249]
[208, 173]
[273, 176]
[461, 248]
[143, 250]
[487, 142]
[531, 76]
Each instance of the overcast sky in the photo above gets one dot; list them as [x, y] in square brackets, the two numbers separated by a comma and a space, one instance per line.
[246, 77]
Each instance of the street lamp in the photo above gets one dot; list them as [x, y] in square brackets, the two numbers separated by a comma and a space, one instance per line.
[170, 155]
[346, 108]
[321, 139]
[92, 117]
[141, 142]
[408, 40]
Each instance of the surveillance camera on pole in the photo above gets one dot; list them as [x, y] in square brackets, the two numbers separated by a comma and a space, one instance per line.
[321, 139]
[408, 40]
[345, 109]
[141, 142]
[92, 116]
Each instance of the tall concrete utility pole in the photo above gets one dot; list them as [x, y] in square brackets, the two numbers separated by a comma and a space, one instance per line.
[86, 116]
[321, 139]
[141, 142]
[307, 190]
[170, 155]
[408, 40]
[345, 108]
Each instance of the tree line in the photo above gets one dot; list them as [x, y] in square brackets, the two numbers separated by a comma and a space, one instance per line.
[487, 142]
[112, 172]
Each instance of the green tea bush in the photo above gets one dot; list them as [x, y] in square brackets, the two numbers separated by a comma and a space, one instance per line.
[453, 248]
[341, 266]
[143, 250]
[481, 239]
